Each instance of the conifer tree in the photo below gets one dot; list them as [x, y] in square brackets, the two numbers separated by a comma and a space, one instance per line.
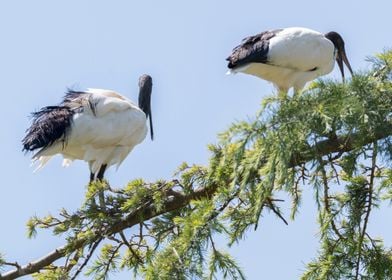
[334, 138]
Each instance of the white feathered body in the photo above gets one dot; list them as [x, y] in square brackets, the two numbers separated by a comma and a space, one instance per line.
[295, 56]
[104, 133]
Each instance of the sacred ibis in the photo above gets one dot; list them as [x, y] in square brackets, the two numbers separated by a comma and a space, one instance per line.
[289, 57]
[98, 126]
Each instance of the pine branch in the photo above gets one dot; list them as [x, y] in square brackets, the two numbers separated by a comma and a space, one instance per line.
[173, 202]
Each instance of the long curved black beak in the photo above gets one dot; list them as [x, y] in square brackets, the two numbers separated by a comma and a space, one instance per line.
[342, 57]
[145, 90]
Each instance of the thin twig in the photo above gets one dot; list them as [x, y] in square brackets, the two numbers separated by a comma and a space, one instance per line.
[371, 241]
[86, 260]
[107, 267]
[212, 242]
[276, 211]
[124, 239]
[369, 208]
[326, 201]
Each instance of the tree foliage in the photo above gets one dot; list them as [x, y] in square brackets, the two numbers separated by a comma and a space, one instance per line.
[333, 138]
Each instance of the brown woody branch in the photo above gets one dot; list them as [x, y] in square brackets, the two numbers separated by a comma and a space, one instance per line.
[340, 144]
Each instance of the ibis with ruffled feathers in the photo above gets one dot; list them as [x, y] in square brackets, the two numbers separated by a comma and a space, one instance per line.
[289, 57]
[98, 126]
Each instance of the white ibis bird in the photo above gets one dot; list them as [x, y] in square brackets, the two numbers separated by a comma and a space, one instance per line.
[98, 126]
[289, 57]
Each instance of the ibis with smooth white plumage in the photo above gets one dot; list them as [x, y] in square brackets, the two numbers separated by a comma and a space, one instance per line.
[289, 57]
[98, 126]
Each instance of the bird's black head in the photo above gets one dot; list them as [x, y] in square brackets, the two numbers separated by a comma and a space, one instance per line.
[145, 89]
[341, 56]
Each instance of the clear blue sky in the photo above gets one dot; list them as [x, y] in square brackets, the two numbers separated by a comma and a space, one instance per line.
[47, 46]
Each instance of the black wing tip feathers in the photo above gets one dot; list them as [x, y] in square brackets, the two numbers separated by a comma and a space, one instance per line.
[49, 125]
[252, 49]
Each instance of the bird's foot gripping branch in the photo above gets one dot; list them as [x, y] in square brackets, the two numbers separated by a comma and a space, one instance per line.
[334, 138]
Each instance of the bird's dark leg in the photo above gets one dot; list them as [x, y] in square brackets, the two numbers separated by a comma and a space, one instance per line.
[92, 177]
[101, 172]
